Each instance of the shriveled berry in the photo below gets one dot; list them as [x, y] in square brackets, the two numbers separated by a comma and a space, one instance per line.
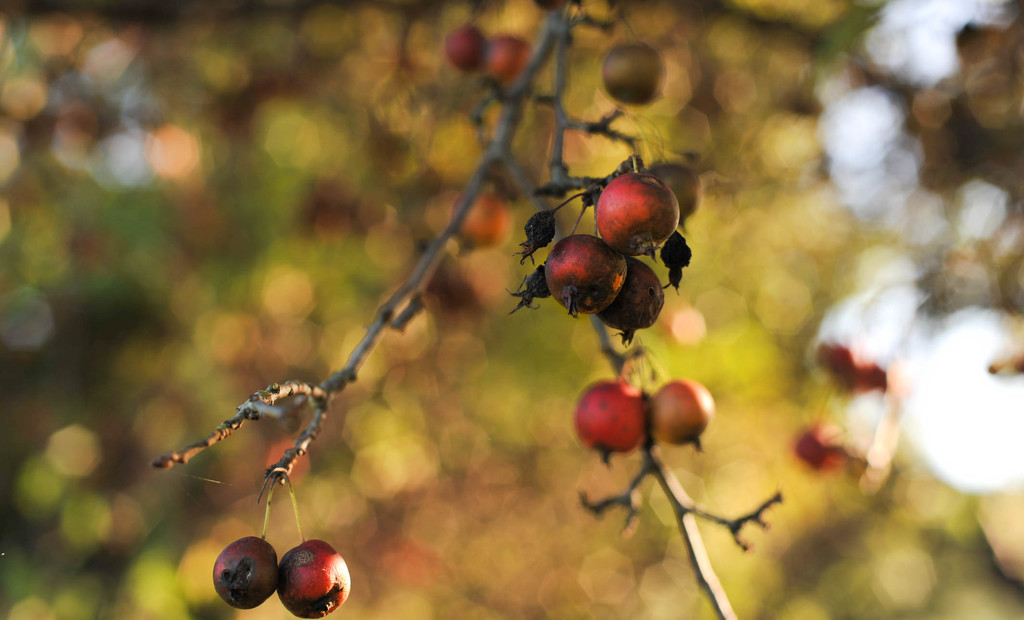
[639, 302]
[534, 286]
[540, 230]
[314, 580]
[245, 573]
[636, 213]
[488, 221]
[610, 417]
[820, 447]
[465, 48]
[684, 183]
[675, 255]
[506, 58]
[632, 73]
[680, 411]
[584, 274]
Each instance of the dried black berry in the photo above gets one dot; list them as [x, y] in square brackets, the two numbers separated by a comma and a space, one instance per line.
[675, 254]
[534, 286]
[540, 230]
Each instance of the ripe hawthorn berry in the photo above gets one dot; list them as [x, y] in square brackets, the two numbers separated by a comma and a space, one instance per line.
[488, 221]
[245, 573]
[584, 274]
[680, 411]
[610, 417]
[465, 47]
[850, 373]
[506, 58]
[314, 580]
[639, 302]
[632, 73]
[684, 183]
[820, 446]
[636, 213]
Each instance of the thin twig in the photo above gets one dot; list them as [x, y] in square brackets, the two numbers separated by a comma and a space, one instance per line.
[498, 150]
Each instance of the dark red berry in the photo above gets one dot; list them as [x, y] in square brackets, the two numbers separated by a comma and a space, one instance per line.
[465, 47]
[245, 573]
[540, 230]
[639, 302]
[632, 73]
[506, 58]
[852, 374]
[820, 446]
[314, 580]
[610, 417]
[675, 255]
[584, 274]
[684, 183]
[534, 286]
[636, 213]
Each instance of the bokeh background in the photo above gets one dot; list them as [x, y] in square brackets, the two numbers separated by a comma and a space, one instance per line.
[198, 200]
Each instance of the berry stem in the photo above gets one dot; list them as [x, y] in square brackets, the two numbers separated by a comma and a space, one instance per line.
[295, 506]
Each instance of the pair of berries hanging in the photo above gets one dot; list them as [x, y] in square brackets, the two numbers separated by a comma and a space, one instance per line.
[312, 579]
[635, 214]
[614, 416]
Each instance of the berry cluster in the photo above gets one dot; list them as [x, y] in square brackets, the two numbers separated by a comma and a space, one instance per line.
[614, 416]
[312, 579]
[636, 214]
[502, 57]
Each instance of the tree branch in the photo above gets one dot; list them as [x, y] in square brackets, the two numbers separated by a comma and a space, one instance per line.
[406, 297]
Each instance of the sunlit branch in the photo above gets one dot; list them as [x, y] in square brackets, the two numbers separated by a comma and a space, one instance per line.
[403, 303]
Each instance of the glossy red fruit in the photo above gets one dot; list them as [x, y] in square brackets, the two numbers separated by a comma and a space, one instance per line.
[680, 411]
[506, 58]
[685, 185]
[820, 446]
[610, 417]
[584, 274]
[636, 213]
[465, 47]
[488, 221]
[245, 573]
[632, 73]
[639, 302]
[314, 580]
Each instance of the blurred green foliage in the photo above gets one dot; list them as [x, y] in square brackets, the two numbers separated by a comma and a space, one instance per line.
[194, 208]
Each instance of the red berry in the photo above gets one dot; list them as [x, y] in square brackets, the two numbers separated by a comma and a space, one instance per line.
[245, 573]
[465, 48]
[819, 446]
[584, 274]
[684, 183]
[507, 56]
[680, 411]
[632, 73]
[488, 221]
[850, 373]
[314, 580]
[610, 417]
[638, 303]
[636, 213]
